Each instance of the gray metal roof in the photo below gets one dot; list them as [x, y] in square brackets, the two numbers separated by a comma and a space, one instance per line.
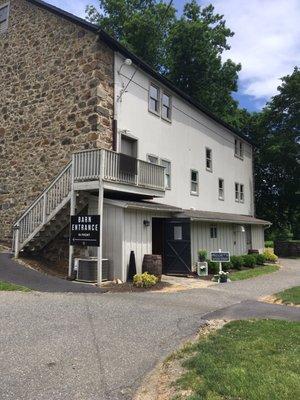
[196, 215]
[142, 205]
[221, 217]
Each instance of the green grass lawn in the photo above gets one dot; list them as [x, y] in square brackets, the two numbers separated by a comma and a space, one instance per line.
[290, 296]
[6, 286]
[245, 360]
[252, 273]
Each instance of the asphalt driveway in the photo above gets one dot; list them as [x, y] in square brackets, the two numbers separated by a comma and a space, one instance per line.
[87, 346]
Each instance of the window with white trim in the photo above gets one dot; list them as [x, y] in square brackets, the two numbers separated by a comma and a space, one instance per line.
[167, 165]
[239, 192]
[194, 182]
[4, 13]
[166, 106]
[152, 159]
[208, 156]
[154, 94]
[221, 189]
[213, 232]
[239, 148]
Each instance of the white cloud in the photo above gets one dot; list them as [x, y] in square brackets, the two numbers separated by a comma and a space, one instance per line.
[266, 41]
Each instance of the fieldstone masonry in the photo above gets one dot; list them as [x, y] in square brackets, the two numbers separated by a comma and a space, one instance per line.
[56, 97]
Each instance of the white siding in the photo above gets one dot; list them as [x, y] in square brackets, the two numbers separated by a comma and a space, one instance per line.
[137, 237]
[183, 142]
[229, 238]
[258, 237]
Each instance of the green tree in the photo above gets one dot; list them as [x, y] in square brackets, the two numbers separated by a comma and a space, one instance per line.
[188, 50]
[141, 26]
[276, 131]
[194, 59]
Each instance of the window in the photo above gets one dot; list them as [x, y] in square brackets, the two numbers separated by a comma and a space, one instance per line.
[239, 148]
[152, 159]
[129, 146]
[178, 232]
[239, 193]
[166, 106]
[221, 189]
[154, 99]
[213, 232]
[167, 166]
[242, 193]
[4, 11]
[208, 159]
[194, 182]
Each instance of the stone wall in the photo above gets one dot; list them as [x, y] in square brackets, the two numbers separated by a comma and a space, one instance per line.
[56, 96]
[287, 248]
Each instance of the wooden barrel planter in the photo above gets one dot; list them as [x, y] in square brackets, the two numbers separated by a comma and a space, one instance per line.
[152, 263]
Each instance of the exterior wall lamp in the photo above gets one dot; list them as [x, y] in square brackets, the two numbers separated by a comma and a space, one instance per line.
[146, 223]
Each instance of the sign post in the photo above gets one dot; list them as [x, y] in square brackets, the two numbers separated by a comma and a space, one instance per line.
[220, 256]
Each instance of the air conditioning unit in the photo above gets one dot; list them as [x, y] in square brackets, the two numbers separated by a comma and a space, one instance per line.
[86, 269]
[202, 268]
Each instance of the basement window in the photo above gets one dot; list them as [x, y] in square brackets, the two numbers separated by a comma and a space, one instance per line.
[4, 13]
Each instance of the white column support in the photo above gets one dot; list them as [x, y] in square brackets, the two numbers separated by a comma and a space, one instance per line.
[100, 212]
[72, 212]
[17, 241]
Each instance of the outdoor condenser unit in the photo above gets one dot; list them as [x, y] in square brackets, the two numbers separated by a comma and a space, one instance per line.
[86, 269]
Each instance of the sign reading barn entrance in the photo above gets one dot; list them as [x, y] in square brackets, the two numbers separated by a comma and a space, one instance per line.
[177, 246]
[85, 230]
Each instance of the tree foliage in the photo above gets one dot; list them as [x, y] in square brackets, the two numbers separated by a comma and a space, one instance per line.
[140, 25]
[276, 131]
[187, 50]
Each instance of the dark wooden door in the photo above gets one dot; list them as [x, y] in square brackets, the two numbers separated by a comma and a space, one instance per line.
[177, 247]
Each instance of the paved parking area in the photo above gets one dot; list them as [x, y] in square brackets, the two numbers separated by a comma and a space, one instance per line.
[87, 346]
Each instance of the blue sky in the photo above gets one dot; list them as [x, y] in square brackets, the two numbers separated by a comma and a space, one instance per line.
[266, 41]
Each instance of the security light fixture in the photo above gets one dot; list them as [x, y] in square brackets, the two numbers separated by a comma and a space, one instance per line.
[146, 222]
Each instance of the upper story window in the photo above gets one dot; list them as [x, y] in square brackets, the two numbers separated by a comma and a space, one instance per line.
[239, 148]
[194, 182]
[167, 165]
[4, 12]
[152, 159]
[239, 192]
[221, 189]
[208, 156]
[154, 94]
[166, 106]
[160, 102]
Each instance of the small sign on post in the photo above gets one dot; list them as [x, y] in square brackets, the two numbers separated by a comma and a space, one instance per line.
[220, 256]
[85, 230]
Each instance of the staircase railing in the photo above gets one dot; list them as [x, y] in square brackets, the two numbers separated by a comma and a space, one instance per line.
[40, 210]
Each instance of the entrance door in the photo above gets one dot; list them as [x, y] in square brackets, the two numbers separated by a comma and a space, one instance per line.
[177, 246]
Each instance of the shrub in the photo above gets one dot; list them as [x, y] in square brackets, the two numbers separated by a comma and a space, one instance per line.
[237, 262]
[270, 256]
[269, 243]
[202, 255]
[249, 260]
[144, 280]
[213, 267]
[260, 259]
[227, 265]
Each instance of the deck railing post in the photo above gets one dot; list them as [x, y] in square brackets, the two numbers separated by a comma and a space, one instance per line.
[100, 212]
[72, 212]
[17, 240]
[44, 208]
